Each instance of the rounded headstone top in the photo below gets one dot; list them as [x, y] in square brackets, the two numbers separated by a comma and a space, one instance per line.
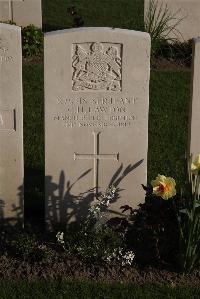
[100, 29]
[10, 27]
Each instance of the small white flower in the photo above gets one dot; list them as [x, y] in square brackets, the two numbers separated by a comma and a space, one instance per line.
[105, 202]
[94, 210]
[60, 237]
[128, 258]
[109, 258]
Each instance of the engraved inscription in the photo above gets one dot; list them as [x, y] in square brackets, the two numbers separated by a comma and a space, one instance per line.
[96, 156]
[7, 120]
[97, 66]
[4, 56]
[96, 112]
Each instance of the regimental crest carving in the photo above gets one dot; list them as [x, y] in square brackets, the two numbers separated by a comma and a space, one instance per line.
[97, 66]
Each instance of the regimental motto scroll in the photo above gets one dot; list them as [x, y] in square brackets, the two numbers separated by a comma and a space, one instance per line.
[97, 66]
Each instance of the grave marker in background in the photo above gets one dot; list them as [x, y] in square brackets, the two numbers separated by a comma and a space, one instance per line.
[11, 123]
[6, 10]
[96, 118]
[194, 127]
[22, 12]
[189, 10]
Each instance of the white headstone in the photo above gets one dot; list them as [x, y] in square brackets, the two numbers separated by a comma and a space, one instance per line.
[185, 11]
[11, 124]
[194, 140]
[22, 12]
[96, 118]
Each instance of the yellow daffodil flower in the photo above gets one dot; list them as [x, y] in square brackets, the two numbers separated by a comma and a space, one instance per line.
[164, 186]
[195, 166]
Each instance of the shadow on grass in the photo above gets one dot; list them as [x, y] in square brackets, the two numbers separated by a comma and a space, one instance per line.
[34, 198]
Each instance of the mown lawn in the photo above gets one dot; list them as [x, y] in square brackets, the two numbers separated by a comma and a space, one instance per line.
[103, 13]
[87, 290]
[34, 142]
[168, 124]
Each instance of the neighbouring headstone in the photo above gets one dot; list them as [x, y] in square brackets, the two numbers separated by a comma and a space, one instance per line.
[194, 127]
[22, 12]
[96, 118]
[11, 124]
[188, 11]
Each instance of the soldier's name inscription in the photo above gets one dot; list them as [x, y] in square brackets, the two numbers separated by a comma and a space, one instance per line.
[96, 112]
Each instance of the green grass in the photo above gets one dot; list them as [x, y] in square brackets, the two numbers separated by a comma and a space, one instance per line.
[33, 115]
[34, 141]
[168, 124]
[87, 290]
[103, 13]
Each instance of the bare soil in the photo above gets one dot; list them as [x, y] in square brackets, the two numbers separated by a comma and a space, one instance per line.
[61, 266]
[32, 60]
[162, 63]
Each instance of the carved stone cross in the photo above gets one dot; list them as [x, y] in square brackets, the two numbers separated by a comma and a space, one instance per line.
[96, 157]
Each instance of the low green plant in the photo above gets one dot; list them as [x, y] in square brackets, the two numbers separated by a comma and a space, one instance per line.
[94, 240]
[27, 247]
[165, 230]
[32, 41]
[90, 244]
[189, 220]
[151, 230]
[160, 23]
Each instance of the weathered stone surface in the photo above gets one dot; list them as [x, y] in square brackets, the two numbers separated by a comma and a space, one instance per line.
[194, 140]
[188, 11]
[96, 118]
[11, 123]
[22, 12]
[5, 10]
